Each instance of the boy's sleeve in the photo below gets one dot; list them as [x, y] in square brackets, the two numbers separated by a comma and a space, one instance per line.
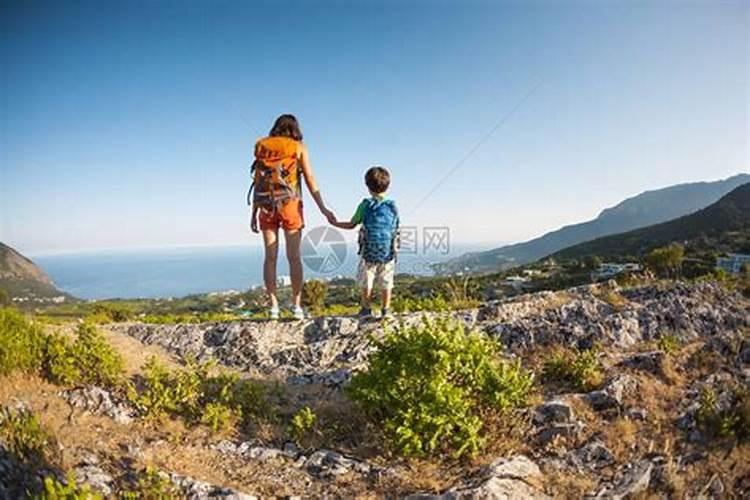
[359, 214]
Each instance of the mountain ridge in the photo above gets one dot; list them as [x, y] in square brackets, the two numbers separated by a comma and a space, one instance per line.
[730, 214]
[22, 278]
[642, 210]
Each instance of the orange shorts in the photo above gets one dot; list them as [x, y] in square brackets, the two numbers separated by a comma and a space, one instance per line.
[289, 217]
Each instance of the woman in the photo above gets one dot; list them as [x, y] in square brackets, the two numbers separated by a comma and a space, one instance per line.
[277, 203]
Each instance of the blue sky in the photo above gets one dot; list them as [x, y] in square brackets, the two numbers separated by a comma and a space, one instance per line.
[129, 124]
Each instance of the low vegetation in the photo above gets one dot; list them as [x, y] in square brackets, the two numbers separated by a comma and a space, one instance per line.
[86, 359]
[731, 420]
[314, 295]
[580, 370]
[220, 400]
[301, 424]
[54, 489]
[428, 386]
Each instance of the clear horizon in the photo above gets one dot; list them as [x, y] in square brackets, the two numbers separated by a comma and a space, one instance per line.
[130, 125]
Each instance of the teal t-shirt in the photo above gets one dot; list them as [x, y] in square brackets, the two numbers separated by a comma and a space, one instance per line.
[359, 214]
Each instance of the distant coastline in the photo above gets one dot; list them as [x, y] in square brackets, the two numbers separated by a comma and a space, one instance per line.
[180, 271]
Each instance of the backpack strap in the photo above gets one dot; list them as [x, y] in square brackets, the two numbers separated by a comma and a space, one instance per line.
[396, 240]
[252, 184]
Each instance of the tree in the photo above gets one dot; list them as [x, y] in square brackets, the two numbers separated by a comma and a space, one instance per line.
[4, 298]
[666, 261]
[592, 262]
[314, 295]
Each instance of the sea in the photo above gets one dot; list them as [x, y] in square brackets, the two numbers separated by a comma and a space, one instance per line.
[177, 272]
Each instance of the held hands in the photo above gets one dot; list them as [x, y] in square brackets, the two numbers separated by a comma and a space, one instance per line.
[330, 216]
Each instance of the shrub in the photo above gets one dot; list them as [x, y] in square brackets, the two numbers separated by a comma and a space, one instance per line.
[428, 384]
[666, 261]
[5, 299]
[55, 489]
[152, 485]
[98, 362]
[461, 294]
[89, 359]
[435, 303]
[216, 400]
[302, 423]
[21, 343]
[23, 436]
[314, 294]
[581, 370]
[731, 421]
[669, 343]
[109, 313]
[60, 364]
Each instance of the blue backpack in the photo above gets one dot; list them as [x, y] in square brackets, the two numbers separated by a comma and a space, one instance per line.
[377, 238]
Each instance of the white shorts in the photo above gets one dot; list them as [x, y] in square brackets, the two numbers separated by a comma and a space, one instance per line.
[371, 273]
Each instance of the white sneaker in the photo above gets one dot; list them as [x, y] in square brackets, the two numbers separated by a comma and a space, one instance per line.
[273, 313]
[298, 313]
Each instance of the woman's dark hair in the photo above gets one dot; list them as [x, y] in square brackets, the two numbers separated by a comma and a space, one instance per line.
[377, 179]
[286, 126]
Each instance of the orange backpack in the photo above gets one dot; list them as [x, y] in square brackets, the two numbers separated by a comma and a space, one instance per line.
[275, 173]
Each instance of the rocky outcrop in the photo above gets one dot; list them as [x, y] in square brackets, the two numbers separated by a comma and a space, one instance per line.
[100, 401]
[570, 434]
[326, 350]
[504, 479]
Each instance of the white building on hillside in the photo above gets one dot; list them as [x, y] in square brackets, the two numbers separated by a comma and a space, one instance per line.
[733, 263]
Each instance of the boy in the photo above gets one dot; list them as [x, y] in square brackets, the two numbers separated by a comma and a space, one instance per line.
[377, 240]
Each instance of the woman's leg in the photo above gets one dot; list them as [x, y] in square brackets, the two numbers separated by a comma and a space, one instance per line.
[271, 243]
[293, 240]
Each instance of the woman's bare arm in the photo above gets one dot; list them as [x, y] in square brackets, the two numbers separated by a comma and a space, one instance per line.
[312, 184]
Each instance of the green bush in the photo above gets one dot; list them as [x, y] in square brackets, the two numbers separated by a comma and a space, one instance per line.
[434, 303]
[429, 384]
[188, 318]
[302, 422]
[5, 300]
[581, 370]
[669, 343]
[733, 421]
[194, 394]
[87, 360]
[21, 343]
[67, 490]
[152, 485]
[23, 436]
[109, 313]
[314, 294]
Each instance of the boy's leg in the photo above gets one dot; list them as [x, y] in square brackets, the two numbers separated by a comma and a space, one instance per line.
[387, 298]
[366, 280]
[386, 275]
[366, 298]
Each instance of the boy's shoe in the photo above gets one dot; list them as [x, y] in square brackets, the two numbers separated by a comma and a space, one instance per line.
[298, 313]
[364, 313]
[386, 314]
[273, 313]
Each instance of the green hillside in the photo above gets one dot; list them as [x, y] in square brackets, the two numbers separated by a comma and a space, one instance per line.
[724, 226]
[21, 279]
[643, 210]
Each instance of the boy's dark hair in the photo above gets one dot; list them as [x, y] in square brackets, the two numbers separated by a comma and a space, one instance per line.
[286, 126]
[377, 179]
